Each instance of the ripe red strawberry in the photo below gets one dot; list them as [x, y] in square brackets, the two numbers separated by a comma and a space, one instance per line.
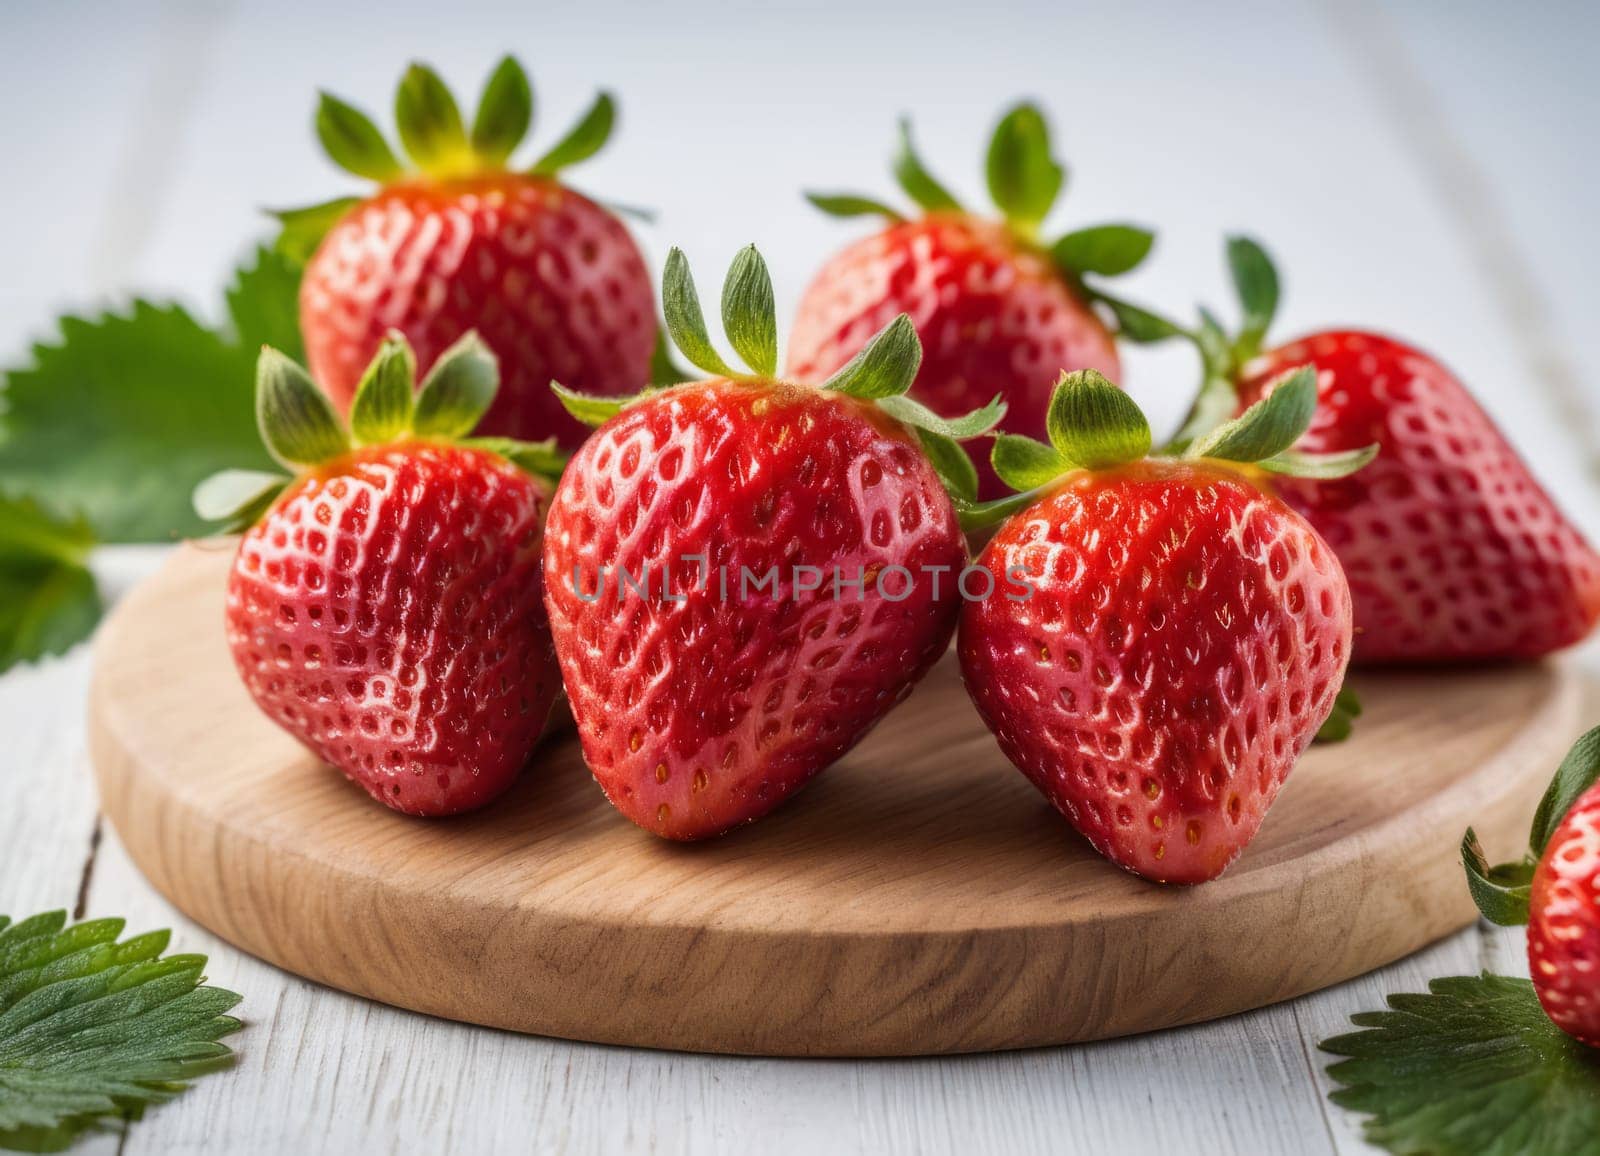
[1171, 635]
[995, 307]
[552, 281]
[1555, 890]
[741, 507]
[1453, 549]
[385, 605]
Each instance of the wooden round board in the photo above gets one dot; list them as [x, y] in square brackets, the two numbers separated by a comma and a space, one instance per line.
[919, 897]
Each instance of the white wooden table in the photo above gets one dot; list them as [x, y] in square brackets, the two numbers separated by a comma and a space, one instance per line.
[1427, 168]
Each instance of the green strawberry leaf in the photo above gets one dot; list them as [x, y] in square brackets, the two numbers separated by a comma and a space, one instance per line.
[964, 428]
[237, 498]
[749, 315]
[384, 401]
[1024, 179]
[951, 463]
[264, 305]
[1255, 280]
[1109, 250]
[124, 415]
[586, 138]
[591, 409]
[852, 205]
[353, 142]
[458, 390]
[297, 422]
[885, 366]
[1267, 428]
[663, 369]
[1025, 464]
[48, 600]
[1473, 1068]
[1298, 464]
[918, 183]
[1578, 772]
[430, 125]
[1095, 425]
[92, 1030]
[1500, 892]
[505, 111]
[545, 458]
[1341, 722]
[680, 305]
[1134, 322]
[304, 228]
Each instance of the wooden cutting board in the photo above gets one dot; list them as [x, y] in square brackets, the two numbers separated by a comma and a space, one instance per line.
[919, 897]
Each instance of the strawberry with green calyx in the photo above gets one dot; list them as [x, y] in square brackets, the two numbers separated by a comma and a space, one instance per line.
[465, 240]
[1173, 635]
[996, 306]
[1555, 890]
[744, 575]
[385, 605]
[1453, 549]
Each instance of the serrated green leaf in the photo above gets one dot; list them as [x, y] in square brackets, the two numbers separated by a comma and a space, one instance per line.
[749, 314]
[951, 463]
[92, 1031]
[1024, 179]
[237, 497]
[1297, 464]
[680, 305]
[353, 142]
[1473, 1068]
[919, 184]
[304, 228]
[1095, 425]
[847, 205]
[544, 458]
[1341, 721]
[264, 304]
[1025, 464]
[1578, 772]
[505, 110]
[1267, 428]
[1500, 892]
[1255, 280]
[458, 390]
[885, 367]
[1109, 250]
[975, 516]
[590, 409]
[430, 125]
[586, 138]
[48, 600]
[297, 422]
[969, 425]
[385, 397]
[124, 415]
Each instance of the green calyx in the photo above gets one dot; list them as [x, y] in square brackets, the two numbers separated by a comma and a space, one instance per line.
[301, 429]
[881, 373]
[437, 140]
[1501, 891]
[1093, 425]
[1025, 180]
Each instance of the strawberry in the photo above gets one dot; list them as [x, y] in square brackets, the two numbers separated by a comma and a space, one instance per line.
[552, 281]
[385, 604]
[1555, 890]
[744, 575]
[1453, 549]
[995, 307]
[1170, 636]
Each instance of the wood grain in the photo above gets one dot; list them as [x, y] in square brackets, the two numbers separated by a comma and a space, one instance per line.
[919, 898]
